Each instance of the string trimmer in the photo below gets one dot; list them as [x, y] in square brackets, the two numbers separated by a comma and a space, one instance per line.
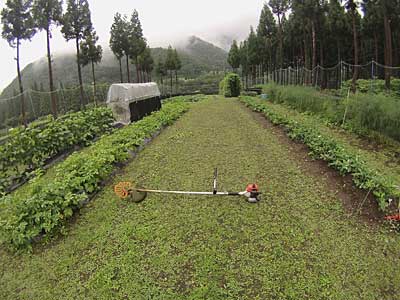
[127, 190]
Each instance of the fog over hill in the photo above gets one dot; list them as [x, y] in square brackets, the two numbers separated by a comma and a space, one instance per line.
[198, 57]
[163, 22]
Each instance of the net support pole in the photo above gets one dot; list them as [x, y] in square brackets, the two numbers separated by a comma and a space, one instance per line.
[372, 75]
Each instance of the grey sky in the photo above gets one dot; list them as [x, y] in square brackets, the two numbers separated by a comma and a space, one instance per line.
[163, 22]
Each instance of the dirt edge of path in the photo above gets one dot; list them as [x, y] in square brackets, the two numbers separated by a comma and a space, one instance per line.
[356, 202]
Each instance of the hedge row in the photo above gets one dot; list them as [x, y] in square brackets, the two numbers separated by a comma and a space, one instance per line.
[51, 203]
[326, 148]
[27, 149]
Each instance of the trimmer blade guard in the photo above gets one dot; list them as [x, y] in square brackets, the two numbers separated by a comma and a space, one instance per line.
[137, 196]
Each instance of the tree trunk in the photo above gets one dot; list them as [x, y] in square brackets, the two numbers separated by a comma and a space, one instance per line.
[321, 61]
[79, 73]
[52, 94]
[138, 79]
[170, 74]
[127, 69]
[21, 88]
[388, 50]
[120, 70]
[176, 80]
[376, 46]
[306, 58]
[280, 60]
[314, 51]
[94, 85]
[355, 45]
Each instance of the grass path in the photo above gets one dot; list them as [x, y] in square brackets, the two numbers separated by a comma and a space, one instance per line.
[295, 244]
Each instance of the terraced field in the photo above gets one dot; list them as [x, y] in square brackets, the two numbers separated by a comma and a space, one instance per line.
[299, 242]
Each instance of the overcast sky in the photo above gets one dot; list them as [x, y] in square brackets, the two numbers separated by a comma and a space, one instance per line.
[163, 22]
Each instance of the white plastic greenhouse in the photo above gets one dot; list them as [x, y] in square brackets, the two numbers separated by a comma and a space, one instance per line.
[132, 101]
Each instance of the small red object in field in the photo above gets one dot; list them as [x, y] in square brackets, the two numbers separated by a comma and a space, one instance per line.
[122, 189]
[252, 187]
[393, 218]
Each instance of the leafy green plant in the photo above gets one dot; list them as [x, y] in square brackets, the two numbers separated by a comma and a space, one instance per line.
[230, 86]
[29, 148]
[375, 86]
[81, 174]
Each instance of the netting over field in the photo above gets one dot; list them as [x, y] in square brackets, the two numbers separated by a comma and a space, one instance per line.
[38, 103]
[371, 77]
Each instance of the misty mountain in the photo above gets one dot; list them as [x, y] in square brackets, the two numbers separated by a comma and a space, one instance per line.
[198, 57]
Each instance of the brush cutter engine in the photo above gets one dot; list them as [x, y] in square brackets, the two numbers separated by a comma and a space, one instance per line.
[127, 190]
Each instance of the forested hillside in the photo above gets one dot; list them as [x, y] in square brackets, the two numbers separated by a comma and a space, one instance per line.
[198, 57]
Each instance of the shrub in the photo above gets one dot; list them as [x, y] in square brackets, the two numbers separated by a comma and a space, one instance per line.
[230, 86]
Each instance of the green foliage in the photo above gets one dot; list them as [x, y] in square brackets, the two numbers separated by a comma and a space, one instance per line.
[375, 112]
[362, 112]
[146, 61]
[161, 71]
[266, 34]
[376, 86]
[298, 243]
[47, 13]
[90, 51]
[51, 203]
[177, 60]
[29, 148]
[326, 148]
[137, 42]
[230, 86]
[118, 37]
[17, 20]
[76, 21]
[170, 59]
[252, 49]
[234, 56]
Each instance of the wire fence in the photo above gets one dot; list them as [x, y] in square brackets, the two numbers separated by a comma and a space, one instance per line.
[371, 77]
[37, 103]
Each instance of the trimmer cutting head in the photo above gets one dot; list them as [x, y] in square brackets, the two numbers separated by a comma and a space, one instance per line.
[127, 190]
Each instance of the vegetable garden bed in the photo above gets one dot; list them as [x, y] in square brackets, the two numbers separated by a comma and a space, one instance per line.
[28, 149]
[52, 202]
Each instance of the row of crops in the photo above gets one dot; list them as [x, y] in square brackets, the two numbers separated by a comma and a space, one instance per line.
[27, 149]
[328, 149]
[38, 103]
[51, 202]
[362, 113]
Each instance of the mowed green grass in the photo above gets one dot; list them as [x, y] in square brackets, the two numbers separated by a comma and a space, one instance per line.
[297, 243]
